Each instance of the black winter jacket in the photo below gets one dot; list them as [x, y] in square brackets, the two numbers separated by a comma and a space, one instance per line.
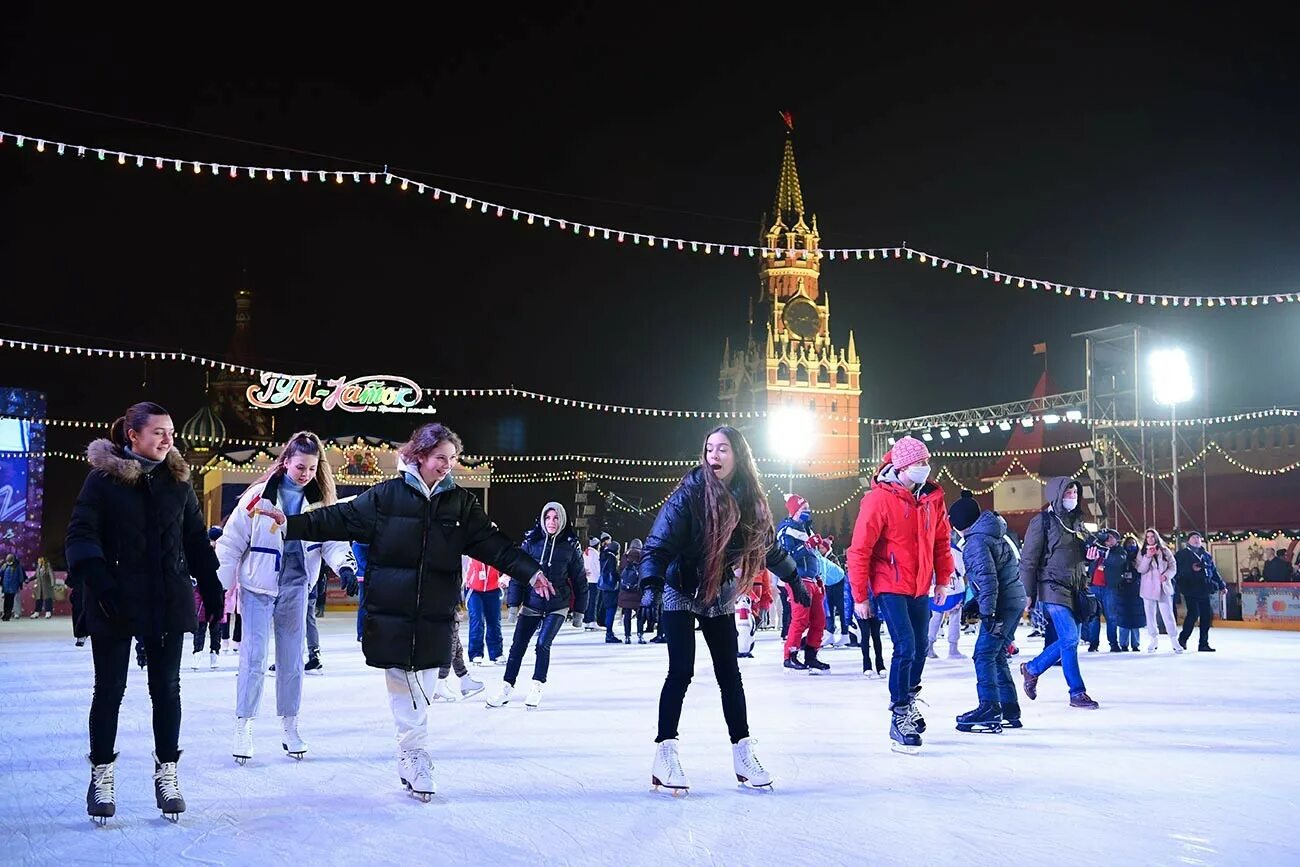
[1051, 561]
[561, 559]
[992, 567]
[1197, 574]
[678, 538]
[133, 542]
[413, 580]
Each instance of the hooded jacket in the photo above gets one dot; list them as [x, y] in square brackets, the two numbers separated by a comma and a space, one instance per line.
[993, 567]
[413, 585]
[251, 547]
[674, 550]
[900, 540]
[561, 559]
[133, 542]
[1052, 558]
[12, 576]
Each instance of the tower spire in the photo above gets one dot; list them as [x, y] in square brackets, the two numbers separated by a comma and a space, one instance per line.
[789, 195]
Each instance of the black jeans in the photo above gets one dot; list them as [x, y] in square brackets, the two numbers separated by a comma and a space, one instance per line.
[627, 622]
[720, 635]
[1198, 608]
[9, 605]
[870, 628]
[213, 631]
[785, 610]
[525, 626]
[112, 658]
[835, 603]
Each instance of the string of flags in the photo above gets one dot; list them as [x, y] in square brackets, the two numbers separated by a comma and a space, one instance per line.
[626, 236]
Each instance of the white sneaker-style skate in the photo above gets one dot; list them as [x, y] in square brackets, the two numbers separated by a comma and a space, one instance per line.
[195, 657]
[534, 696]
[1151, 648]
[101, 803]
[502, 698]
[444, 691]
[243, 750]
[35, 614]
[212, 661]
[295, 746]
[469, 686]
[49, 614]
[415, 769]
[666, 771]
[953, 652]
[749, 772]
[931, 654]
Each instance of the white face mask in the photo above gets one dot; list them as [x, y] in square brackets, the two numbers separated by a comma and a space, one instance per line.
[917, 474]
[1068, 503]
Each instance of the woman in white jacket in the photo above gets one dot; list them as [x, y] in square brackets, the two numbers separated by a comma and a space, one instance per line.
[1155, 563]
[274, 579]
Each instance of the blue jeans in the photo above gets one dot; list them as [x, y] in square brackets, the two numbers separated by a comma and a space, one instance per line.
[992, 674]
[907, 618]
[484, 616]
[593, 602]
[1128, 637]
[361, 607]
[1092, 630]
[1065, 648]
[525, 626]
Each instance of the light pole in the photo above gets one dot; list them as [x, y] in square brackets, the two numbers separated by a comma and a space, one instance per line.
[790, 432]
[1171, 379]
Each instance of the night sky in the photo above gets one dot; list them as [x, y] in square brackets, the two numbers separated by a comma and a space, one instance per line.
[1109, 152]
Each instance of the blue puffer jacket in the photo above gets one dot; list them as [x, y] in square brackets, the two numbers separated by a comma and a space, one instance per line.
[831, 574]
[992, 567]
[12, 576]
[793, 535]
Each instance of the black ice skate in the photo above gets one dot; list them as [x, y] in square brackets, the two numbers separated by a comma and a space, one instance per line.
[985, 719]
[914, 712]
[313, 663]
[813, 664]
[792, 662]
[1011, 715]
[902, 732]
[101, 802]
[167, 789]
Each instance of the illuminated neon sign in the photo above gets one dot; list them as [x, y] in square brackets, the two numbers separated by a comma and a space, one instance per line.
[376, 393]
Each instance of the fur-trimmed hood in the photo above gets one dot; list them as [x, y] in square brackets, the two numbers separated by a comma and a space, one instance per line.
[111, 460]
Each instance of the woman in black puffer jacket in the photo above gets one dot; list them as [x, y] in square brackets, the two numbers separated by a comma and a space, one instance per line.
[552, 543]
[135, 538]
[417, 527]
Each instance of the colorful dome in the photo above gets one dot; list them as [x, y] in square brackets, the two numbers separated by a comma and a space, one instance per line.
[204, 430]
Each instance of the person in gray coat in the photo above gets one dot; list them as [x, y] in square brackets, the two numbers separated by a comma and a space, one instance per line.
[1052, 570]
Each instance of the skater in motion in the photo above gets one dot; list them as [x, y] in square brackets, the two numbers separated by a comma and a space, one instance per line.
[993, 572]
[275, 576]
[709, 542]
[798, 540]
[900, 539]
[135, 537]
[552, 543]
[417, 526]
[1053, 572]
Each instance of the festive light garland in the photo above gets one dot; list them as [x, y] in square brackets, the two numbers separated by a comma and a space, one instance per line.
[621, 236]
[1210, 446]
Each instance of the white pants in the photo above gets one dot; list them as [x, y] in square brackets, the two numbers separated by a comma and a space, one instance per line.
[286, 615]
[954, 624]
[409, 696]
[1167, 612]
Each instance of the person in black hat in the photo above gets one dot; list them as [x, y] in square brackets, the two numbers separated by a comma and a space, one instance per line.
[993, 572]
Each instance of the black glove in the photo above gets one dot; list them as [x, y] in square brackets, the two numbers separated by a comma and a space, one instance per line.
[799, 593]
[348, 580]
[991, 625]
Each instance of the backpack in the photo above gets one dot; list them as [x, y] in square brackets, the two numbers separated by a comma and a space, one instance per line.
[630, 580]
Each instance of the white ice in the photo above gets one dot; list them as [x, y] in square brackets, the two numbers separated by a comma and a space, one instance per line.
[1190, 760]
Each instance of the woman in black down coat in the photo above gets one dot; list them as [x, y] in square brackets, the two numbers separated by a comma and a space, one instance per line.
[417, 526]
[135, 538]
[715, 532]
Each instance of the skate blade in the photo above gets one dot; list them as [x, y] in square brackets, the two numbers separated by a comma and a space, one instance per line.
[293, 754]
[422, 796]
[675, 791]
[242, 760]
[474, 693]
[532, 706]
[984, 729]
[99, 821]
[744, 783]
[905, 750]
[172, 817]
[1012, 724]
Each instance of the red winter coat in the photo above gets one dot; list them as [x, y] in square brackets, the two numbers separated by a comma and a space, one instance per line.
[481, 577]
[899, 541]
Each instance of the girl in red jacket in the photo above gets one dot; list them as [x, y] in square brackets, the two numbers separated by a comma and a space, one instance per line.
[900, 541]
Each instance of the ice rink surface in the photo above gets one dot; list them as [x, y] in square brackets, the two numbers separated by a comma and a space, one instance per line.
[1190, 760]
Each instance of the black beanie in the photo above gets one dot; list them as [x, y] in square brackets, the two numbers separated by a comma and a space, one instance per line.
[964, 512]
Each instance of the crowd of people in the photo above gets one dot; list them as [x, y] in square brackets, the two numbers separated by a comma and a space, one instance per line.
[423, 556]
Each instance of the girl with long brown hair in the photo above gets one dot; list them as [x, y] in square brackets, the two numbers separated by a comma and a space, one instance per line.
[275, 577]
[710, 541]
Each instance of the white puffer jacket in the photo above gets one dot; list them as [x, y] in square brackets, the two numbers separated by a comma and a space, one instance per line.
[251, 549]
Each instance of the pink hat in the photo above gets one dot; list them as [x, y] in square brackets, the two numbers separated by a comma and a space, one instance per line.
[908, 451]
[794, 504]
